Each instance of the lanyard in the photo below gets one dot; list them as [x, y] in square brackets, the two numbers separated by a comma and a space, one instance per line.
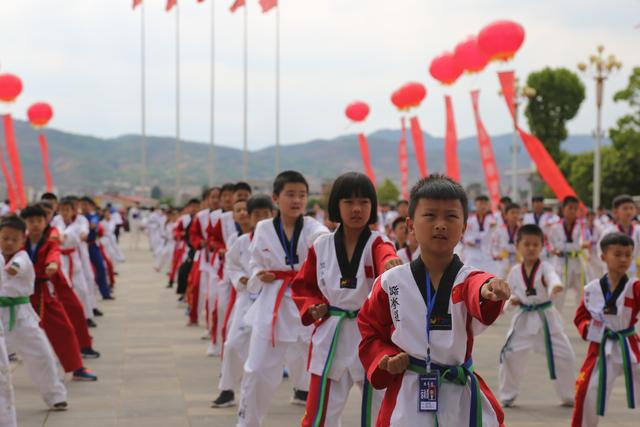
[431, 302]
[288, 249]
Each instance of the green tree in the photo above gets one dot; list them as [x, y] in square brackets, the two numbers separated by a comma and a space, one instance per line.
[388, 192]
[559, 93]
[156, 193]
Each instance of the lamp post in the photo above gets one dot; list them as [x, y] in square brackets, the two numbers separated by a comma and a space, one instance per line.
[599, 68]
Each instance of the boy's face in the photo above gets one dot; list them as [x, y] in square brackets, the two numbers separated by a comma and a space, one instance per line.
[241, 195]
[513, 216]
[214, 199]
[538, 206]
[36, 225]
[85, 207]
[11, 240]
[292, 199]
[66, 212]
[625, 212]
[438, 225]
[570, 212]
[240, 214]
[482, 207]
[530, 247]
[258, 215]
[226, 200]
[618, 258]
[401, 231]
[403, 209]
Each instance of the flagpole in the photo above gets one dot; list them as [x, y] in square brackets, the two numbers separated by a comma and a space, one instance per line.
[178, 148]
[143, 154]
[245, 153]
[212, 107]
[278, 89]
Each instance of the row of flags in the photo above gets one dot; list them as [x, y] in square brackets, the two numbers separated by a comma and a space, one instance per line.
[266, 5]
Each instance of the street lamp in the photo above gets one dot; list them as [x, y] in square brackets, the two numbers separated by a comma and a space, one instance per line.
[599, 68]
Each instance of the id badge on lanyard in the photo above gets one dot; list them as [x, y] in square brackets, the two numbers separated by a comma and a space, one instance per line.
[428, 383]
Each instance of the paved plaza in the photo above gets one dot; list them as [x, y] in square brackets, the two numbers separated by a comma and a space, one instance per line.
[154, 372]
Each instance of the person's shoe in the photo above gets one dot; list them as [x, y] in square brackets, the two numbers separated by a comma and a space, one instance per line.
[205, 335]
[91, 323]
[299, 397]
[192, 324]
[224, 400]
[508, 403]
[60, 406]
[97, 313]
[109, 298]
[170, 285]
[13, 357]
[89, 353]
[212, 351]
[567, 403]
[285, 373]
[84, 374]
[181, 298]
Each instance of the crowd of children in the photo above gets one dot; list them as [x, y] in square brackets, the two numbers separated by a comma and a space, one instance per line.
[56, 256]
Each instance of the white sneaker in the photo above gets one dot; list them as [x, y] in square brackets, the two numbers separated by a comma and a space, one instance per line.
[205, 335]
[212, 350]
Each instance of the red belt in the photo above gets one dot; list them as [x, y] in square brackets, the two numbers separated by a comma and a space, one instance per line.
[286, 277]
[67, 252]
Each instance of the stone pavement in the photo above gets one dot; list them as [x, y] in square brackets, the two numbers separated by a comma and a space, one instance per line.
[154, 372]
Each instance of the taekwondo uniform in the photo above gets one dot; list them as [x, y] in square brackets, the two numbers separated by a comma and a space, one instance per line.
[22, 333]
[594, 267]
[607, 320]
[168, 247]
[187, 259]
[7, 400]
[479, 233]
[394, 319]
[537, 326]
[200, 275]
[634, 233]
[328, 277]
[135, 225]
[96, 257]
[278, 333]
[407, 256]
[569, 265]
[504, 249]
[109, 241]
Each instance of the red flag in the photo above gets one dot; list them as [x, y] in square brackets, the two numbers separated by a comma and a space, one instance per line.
[486, 155]
[267, 5]
[236, 5]
[366, 158]
[451, 143]
[170, 4]
[136, 3]
[44, 150]
[14, 161]
[418, 146]
[404, 162]
[547, 167]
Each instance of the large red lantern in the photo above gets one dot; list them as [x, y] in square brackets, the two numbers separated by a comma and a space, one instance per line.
[469, 56]
[501, 39]
[40, 114]
[357, 111]
[445, 69]
[10, 87]
[409, 96]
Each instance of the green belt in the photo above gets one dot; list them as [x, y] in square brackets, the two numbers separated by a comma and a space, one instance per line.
[540, 308]
[12, 302]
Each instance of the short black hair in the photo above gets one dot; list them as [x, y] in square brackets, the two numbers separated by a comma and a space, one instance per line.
[259, 201]
[89, 200]
[615, 239]
[33, 211]
[46, 206]
[348, 185]
[206, 192]
[398, 220]
[621, 200]
[66, 201]
[438, 187]
[505, 200]
[529, 230]
[402, 202]
[241, 185]
[569, 200]
[193, 201]
[228, 186]
[511, 206]
[288, 177]
[13, 221]
[537, 199]
[48, 196]
[482, 198]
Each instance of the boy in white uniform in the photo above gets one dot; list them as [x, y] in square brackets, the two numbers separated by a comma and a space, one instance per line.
[624, 213]
[20, 322]
[538, 325]
[479, 235]
[504, 241]
[278, 250]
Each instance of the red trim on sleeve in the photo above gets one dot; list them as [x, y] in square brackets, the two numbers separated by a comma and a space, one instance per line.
[305, 290]
[488, 311]
[382, 252]
[582, 319]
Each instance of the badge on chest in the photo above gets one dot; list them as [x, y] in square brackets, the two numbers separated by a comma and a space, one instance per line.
[531, 292]
[348, 282]
[610, 309]
[440, 322]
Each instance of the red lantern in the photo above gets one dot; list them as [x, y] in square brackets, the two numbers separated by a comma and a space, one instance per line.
[409, 96]
[39, 114]
[445, 69]
[501, 39]
[470, 57]
[10, 87]
[357, 111]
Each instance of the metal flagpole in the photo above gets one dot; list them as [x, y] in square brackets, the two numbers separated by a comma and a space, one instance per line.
[143, 154]
[178, 148]
[245, 153]
[212, 107]
[278, 89]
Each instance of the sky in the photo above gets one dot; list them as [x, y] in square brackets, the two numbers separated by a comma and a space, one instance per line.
[83, 57]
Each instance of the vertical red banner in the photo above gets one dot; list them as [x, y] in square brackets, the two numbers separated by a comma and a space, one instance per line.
[451, 143]
[491, 176]
[547, 167]
[44, 151]
[418, 146]
[366, 157]
[404, 162]
[14, 161]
